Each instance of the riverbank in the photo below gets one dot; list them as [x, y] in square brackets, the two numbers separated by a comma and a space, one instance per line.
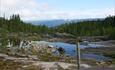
[40, 60]
[108, 50]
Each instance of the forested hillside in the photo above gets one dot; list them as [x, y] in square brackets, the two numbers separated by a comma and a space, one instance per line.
[14, 24]
[105, 27]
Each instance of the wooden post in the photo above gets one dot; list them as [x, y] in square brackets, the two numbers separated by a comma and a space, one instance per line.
[78, 54]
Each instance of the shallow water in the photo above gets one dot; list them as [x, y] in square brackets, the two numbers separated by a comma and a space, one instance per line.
[95, 56]
[70, 49]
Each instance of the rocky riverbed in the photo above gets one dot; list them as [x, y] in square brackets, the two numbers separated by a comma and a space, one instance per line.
[37, 61]
[23, 63]
[18, 63]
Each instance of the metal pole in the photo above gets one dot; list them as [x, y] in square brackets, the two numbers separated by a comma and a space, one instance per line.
[78, 55]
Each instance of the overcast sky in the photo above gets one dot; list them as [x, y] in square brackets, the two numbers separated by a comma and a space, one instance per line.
[57, 9]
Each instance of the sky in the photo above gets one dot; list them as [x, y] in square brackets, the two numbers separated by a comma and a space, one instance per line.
[57, 9]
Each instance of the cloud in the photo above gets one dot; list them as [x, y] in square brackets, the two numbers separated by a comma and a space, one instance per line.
[34, 10]
[25, 8]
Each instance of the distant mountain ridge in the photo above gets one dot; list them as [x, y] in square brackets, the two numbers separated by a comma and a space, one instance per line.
[56, 22]
[49, 23]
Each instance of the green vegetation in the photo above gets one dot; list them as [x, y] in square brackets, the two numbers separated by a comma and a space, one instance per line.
[14, 24]
[97, 27]
[9, 65]
[48, 57]
[104, 27]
